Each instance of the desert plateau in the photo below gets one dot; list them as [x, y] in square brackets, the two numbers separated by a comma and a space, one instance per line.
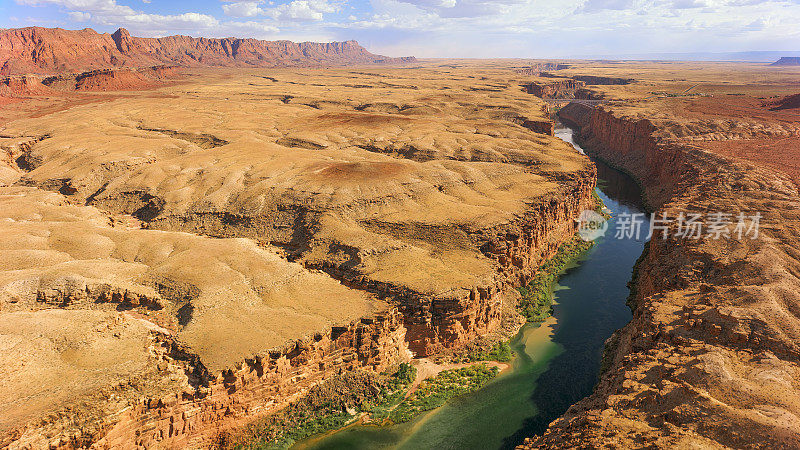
[240, 243]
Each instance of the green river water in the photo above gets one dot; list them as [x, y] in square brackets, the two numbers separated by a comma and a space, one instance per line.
[557, 361]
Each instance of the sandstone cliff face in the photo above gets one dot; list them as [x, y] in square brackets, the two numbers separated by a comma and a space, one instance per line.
[53, 50]
[259, 385]
[710, 357]
[211, 402]
[540, 68]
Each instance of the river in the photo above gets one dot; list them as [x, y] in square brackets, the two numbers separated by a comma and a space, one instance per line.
[557, 361]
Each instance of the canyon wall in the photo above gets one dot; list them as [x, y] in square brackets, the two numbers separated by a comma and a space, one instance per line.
[635, 150]
[711, 357]
[562, 88]
[519, 247]
[591, 80]
[54, 50]
[539, 68]
[213, 402]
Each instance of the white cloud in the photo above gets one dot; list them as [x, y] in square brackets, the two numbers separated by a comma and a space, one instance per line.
[296, 10]
[242, 9]
[110, 13]
[78, 16]
[616, 5]
[307, 9]
[466, 8]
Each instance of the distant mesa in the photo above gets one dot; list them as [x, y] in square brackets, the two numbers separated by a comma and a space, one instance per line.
[787, 61]
[37, 50]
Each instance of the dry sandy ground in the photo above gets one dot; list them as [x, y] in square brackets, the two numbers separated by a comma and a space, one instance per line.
[204, 211]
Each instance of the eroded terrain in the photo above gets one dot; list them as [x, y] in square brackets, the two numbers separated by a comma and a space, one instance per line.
[203, 251]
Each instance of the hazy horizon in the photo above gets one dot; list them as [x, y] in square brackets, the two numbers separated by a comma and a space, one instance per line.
[587, 29]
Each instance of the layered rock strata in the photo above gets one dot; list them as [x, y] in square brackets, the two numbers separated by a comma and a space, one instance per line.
[206, 402]
[711, 357]
[54, 50]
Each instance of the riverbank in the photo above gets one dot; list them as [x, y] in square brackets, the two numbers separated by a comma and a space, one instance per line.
[710, 358]
[589, 304]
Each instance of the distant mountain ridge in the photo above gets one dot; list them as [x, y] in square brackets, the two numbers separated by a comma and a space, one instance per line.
[52, 50]
[787, 61]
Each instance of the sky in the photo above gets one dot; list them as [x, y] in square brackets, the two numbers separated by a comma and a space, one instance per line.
[446, 28]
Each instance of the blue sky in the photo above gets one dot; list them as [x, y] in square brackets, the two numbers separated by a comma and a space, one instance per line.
[446, 28]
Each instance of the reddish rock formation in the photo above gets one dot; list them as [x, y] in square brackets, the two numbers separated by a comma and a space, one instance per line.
[112, 80]
[21, 86]
[576, 114]
[540, 126]
[788, 102]
[520, 248]
[122, 79]
[53, 50]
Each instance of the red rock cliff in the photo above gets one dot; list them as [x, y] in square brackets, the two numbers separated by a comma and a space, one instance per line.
[51, 50]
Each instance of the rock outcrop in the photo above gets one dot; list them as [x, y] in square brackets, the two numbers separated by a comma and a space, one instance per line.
[592, 80]
[213, 401]
[22, 86]
[541, 68]
[55, 50]
[788, 102]
[595, 80]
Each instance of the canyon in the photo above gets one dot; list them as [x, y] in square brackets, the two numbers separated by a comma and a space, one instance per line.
[710, 358]
[197, 232]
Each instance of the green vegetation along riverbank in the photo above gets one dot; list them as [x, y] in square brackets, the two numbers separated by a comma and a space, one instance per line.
[536, 303]
[328, 406]
[434, 392]
[380, 400]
